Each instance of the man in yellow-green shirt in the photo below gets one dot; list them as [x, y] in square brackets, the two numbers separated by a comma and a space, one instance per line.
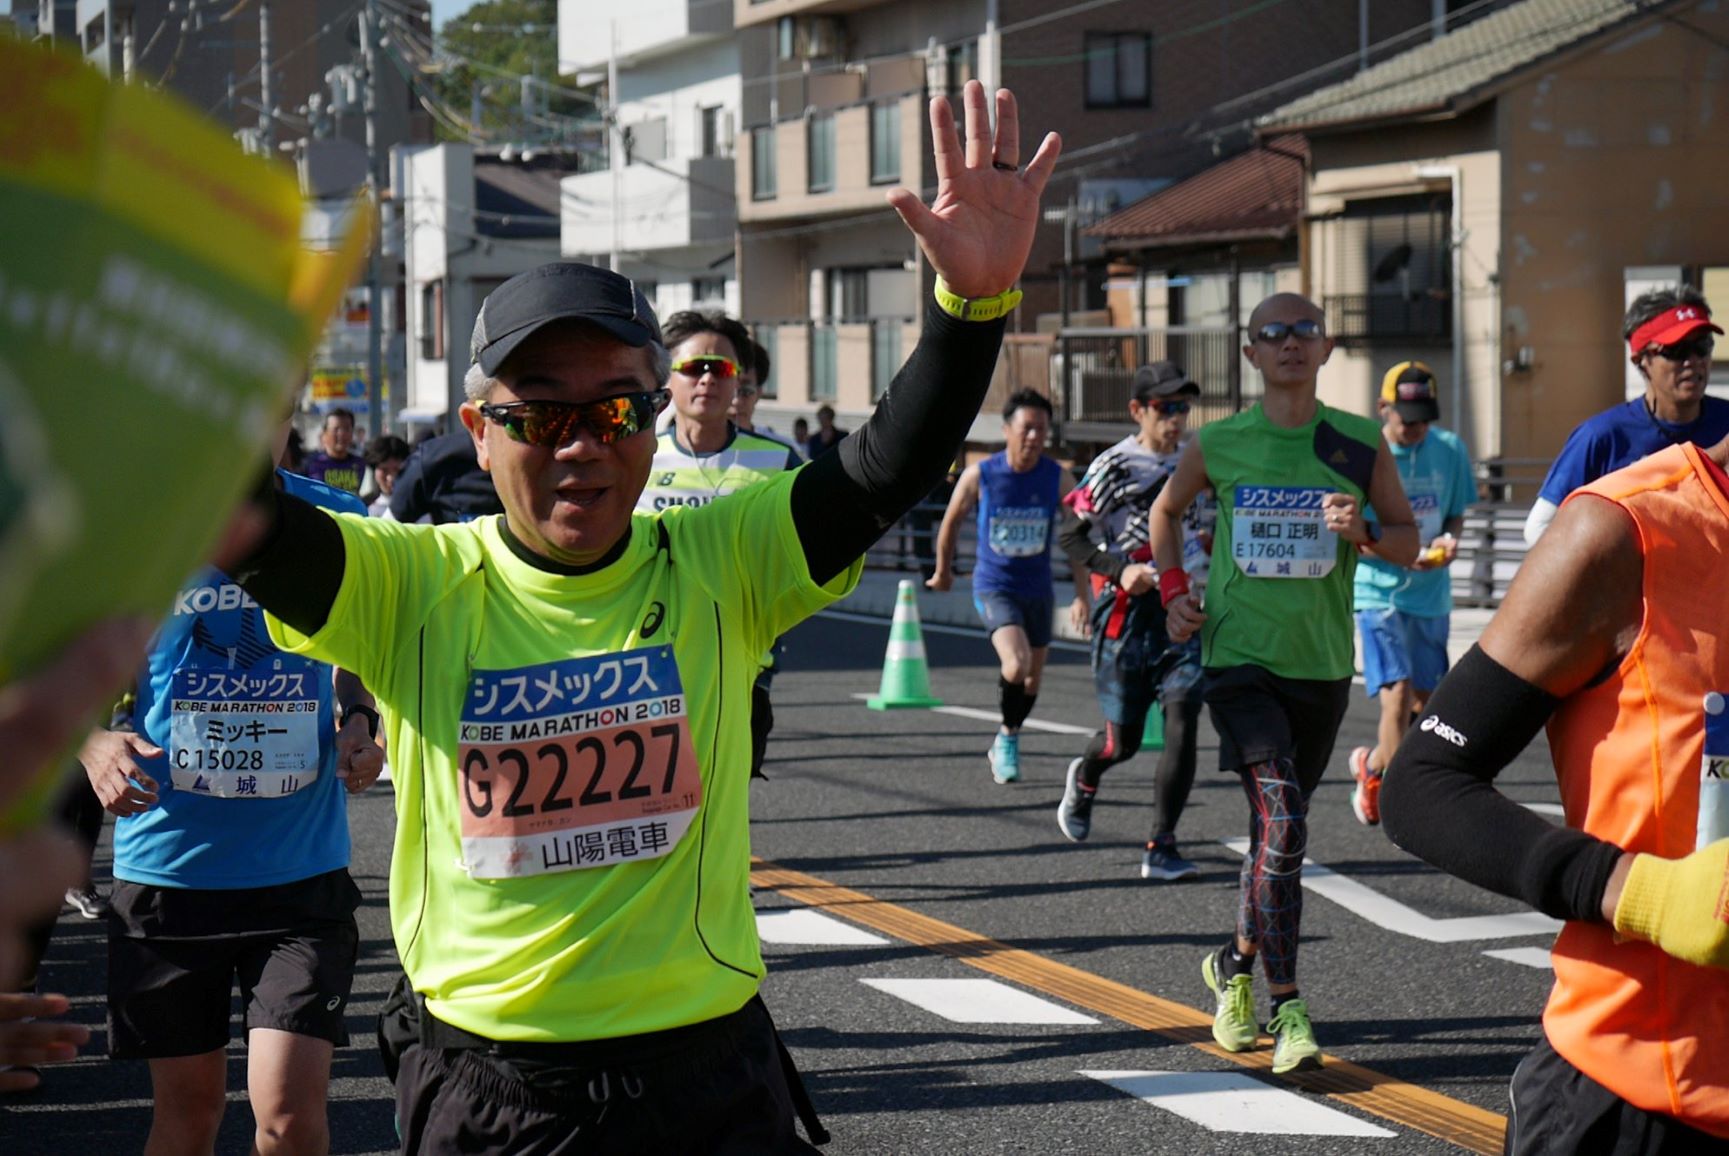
[566, 694]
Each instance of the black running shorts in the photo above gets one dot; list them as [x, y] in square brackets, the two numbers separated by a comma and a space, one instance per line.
[1557, 1108]
[1261, 715]
[174, 955]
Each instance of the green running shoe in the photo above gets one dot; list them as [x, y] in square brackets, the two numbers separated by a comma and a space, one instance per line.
[1294, 1046]
[1234, 1024]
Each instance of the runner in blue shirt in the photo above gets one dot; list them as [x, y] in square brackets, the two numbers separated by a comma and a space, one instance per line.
[1668, 334]
[1403, 613]
[1016, 492]
[231, 862]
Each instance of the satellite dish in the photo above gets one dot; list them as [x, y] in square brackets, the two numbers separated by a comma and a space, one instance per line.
[1397, 260]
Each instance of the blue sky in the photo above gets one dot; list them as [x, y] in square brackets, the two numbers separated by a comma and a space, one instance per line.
[443, 10]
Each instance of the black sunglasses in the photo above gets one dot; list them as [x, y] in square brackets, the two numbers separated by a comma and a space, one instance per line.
[1685, 350]
[1169, 408]
[1279, 330]
[551, 424]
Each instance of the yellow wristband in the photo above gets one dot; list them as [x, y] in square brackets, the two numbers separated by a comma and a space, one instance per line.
[975, 308]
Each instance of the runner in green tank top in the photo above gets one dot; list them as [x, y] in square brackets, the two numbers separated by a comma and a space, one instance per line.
[1291, 477]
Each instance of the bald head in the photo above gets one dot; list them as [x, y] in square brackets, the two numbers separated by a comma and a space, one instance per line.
[1285, 307]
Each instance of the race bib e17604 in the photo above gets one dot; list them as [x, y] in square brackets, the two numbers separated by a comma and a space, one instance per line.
[1281, 532]
[581, 763]
[244, 734]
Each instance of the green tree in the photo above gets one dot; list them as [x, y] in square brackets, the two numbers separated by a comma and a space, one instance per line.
[487, 51]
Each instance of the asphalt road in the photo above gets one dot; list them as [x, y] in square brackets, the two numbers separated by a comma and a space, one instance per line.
[959, 879]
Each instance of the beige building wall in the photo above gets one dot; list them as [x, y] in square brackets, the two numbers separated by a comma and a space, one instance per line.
[1616, 158]
[1458, 158]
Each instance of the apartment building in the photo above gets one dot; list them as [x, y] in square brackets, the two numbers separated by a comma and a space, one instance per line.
[833, 113]
[664, 209]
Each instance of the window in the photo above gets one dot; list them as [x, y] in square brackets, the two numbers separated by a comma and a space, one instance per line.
[768, 337]
[962, 65]
[848, 294]
[762, 182]
[707, 291]
[645, 141]
[885, 355]
[820, 161]
[824, 362]
[786, 37]
[885, 142]
[432, 321]
[1393, 279]
[712, 145]
[1119, 69]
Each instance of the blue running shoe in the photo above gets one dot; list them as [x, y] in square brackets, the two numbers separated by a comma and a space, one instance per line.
[1005, 756]
[1163, 863]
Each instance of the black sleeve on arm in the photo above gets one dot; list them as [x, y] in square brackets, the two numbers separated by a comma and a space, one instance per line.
[1439, 802]
[1082, 551]
[845, 500]
[297, 569]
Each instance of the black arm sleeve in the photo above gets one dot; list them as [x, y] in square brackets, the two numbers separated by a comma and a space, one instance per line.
[1439, 802]
[845, 500]
[1082, 551]
[297, 569]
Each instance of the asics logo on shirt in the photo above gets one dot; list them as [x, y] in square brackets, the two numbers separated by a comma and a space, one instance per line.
[204, 599]
[662, 503]
[651, 621]
[1442, 730]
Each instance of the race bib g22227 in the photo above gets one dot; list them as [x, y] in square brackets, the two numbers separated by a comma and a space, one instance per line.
[580, 763]
[1281, 532]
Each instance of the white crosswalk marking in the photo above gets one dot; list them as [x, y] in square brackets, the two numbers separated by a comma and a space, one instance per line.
[1529, 956]
[1394, 916]
[1233, 1102]
[799, 926]
[978, 1001]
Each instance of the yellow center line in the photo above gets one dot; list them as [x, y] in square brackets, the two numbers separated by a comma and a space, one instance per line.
[1470, 1127]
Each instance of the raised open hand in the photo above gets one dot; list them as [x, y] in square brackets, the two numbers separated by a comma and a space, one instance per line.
[979, 229]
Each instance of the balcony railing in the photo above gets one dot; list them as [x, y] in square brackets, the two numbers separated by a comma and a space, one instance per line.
[1355, 317]
[1093, 370]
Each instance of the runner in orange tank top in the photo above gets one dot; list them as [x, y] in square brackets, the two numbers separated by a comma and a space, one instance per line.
[1612, 633]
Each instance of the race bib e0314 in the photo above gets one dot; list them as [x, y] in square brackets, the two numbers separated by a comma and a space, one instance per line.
[1019, 531]
[581, 763]
[249, 734]
[1281, 532]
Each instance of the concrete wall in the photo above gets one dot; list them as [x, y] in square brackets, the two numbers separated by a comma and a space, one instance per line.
[1617, 158]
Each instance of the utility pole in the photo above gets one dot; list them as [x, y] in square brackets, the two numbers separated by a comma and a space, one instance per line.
[376, 418]
[266, 87]
[614, 143]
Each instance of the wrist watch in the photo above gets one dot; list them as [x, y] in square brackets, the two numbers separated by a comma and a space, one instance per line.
[976, 308]
[363, 710]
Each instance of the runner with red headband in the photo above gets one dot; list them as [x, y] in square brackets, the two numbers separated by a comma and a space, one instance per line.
[1669, 340]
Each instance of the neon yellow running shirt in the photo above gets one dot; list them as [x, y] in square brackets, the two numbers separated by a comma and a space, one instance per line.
[570, 756]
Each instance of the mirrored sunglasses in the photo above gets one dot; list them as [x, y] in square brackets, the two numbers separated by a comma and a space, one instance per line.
[1305, 330]
[712, 364]
[551, 424]
[1171, 408]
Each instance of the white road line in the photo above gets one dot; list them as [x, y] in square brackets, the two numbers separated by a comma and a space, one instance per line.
[1234, 1102]
[1391, 915]
[944, 628]
[978, 1001]
[802, 927]
[993, 717]
[1529, 956]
